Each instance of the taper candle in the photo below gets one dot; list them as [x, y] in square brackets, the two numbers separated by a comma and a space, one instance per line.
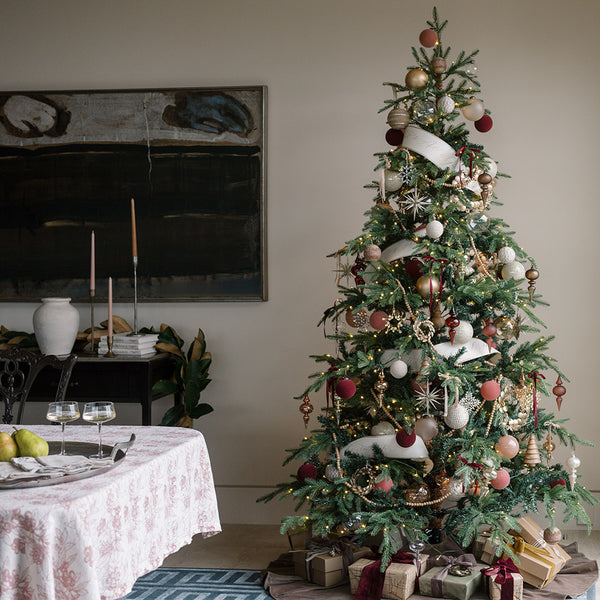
[133, 231]
[93, 263]
[110, 320]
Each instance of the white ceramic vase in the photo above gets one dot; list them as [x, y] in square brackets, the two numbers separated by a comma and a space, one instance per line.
[55, 324]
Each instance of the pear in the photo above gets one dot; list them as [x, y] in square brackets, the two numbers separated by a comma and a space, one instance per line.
[30, 444]
[8, 447]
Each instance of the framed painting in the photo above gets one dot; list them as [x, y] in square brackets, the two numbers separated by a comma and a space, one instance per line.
[192, 158]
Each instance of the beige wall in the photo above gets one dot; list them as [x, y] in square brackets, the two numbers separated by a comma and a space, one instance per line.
[324, 62]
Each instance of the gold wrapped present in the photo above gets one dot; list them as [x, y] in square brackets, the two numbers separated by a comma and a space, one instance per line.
[537, 566]
[503, 581]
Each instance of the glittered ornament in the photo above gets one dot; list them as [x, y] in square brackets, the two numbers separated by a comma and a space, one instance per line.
[513, 270]
[416, 79]
[490, 390]
[398, 118]
[378, 320]
[428, 38]
[426, 428]
[413, 267]
[463, 333]
[392, 180]
[506, 254]
[427, 285]
[501, 481]
[507, 446]
[484, 124]
[457, 417]
[434, 229]
[398, 369]
[445, 105]
[394, 137]
[383, 428]
[552, 536]
[345, 388]
[474, 110]
[358, 318]
[307, 471]
[417, 493]
[405, 439]
[372, 253]
[386, 485]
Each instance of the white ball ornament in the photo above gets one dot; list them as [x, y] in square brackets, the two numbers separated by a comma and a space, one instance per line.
[463, 333]
[398, 369]
[434, 229]
[393, 181]
[506, 255]
[445, 105]
[474, 110]
[383, 428]
[457, 417]
[513, 270]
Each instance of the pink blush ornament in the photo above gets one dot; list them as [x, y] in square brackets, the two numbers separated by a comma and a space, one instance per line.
[345, 388]
[490, 390]
[386, 485]
[502, 480]
[378, 320]
[507, 446]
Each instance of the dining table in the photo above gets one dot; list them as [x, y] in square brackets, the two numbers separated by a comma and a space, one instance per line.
[91, 538]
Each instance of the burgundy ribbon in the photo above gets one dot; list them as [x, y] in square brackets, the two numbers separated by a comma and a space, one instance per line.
[437, 581]
[370, 586]
[503, 570]
[441, 261]
[535, 376]
[460, 153]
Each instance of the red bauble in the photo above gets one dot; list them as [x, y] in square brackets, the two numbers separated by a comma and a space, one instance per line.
[490, 390]
[484, 124]
[405, 439]
[386, 484]
[556, 482]
[378, 320]
[345, 388]
[394, 137]
[307, 471]
[413, 267]
[502, 480]
[428, 38]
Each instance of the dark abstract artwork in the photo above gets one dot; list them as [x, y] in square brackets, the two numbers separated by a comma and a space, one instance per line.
[193, 160]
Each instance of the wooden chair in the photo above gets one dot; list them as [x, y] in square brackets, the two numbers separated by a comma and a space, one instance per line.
[18, 370]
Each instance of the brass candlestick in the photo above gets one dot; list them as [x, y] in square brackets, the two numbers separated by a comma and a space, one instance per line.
[109, 343]
[92, 296]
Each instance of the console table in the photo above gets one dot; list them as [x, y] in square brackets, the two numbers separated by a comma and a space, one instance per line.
[120, 380]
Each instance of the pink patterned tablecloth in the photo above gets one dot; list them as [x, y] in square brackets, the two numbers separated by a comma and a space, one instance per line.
[91, 539]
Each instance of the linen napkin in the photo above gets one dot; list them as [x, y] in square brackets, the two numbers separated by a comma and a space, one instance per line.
[55, 465]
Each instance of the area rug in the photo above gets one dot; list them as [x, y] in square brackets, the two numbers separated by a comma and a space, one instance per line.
[199, 584]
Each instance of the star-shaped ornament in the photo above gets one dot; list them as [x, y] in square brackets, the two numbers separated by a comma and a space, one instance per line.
[414, 201]
[428, 399]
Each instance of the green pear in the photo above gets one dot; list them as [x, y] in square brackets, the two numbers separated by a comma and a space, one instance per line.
[8, 447]
[30, 444]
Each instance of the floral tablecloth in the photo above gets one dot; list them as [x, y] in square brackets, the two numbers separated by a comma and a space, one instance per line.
[91, 539]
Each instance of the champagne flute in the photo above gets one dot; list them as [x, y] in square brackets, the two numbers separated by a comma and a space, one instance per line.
[63, 413]
[99, 412]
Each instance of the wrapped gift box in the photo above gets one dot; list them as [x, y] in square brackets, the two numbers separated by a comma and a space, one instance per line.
[400, 578]
[478, 546]
[494, 589]
[533, 534]
[453, 586]
[488, 553]
[323, 569]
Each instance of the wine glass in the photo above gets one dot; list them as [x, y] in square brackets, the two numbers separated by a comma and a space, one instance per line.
[63, 413]
[99, 412]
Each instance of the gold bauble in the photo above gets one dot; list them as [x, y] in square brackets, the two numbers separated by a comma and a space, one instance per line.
[416, 79]
[505, 328]
[424, 288]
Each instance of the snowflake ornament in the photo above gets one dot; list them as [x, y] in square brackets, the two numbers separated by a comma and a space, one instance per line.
[415, 202]
[469, 401]
[406, 173]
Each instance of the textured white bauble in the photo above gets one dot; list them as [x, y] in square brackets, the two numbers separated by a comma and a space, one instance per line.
[427, 428]
[383, 428]
[331, 472]
[506, 255]
[393, 181]
[573, 462]
[398, 369]
[463, 333]
[474, 110]
[513, 270]
[434, 229]
[445, 104]
[457, 417]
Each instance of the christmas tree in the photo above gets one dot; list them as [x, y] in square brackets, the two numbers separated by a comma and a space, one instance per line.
[434, 416]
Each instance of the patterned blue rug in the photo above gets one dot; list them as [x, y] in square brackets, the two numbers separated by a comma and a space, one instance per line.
[199, 584]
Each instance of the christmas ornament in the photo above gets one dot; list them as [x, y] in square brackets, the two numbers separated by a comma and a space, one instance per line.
[372, 253]
[380, 387]
[556, 482]
[457, 417]
[504, 328]
[357, 268]
[484, 124]
[445, 105]
[456, 489]
[413, 267]
[392, 180]
[439, 65]
[417, 493]
[427, 285]
[394, 321]
[474, 110]
[428, 38]
[434, 229]
[490, 390]
[407, 172]
[386, 485]
[469, 401]
[436, 315]
[426, 428]
[484, 181]
[552, 536]
[513, 270]
[331, 472]
[489, 330]
[549, 446]
[345, 388]
[358, 318]
[353, 522]
[507, 446]
[506, 255]
[532, 454]
[573, 463]
[306, 408]
[559, 391]
[398, 118]
[452, 322]
[463, 333]
[501, 480]
[307, 471]
[415, 202]
[362, 480]
[383, 428]
[427, 399]
[478, 222]
[394, 137]
[531, 274]
[378, 320]
[423, 111]
[398, 369]
[405, 439]
[416, 79]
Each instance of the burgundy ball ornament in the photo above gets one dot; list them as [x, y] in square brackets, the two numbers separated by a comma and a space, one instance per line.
[307, 471]
[502, 480]
[490, 390]
[413, 267]
[405, 439]
[386, 485]
[484, 124]
[394, 137]
[428, 38]
[507, 446]
[345, 388]
[378, 320]
[556, 482]
[372, 253]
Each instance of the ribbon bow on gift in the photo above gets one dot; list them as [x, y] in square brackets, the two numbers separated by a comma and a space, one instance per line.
[464, 560]
[319, 545]
[503, 570]
[370, 586]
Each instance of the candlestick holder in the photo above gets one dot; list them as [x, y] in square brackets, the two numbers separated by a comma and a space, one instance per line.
[109, 343]
[135, 332]
[92, 296]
